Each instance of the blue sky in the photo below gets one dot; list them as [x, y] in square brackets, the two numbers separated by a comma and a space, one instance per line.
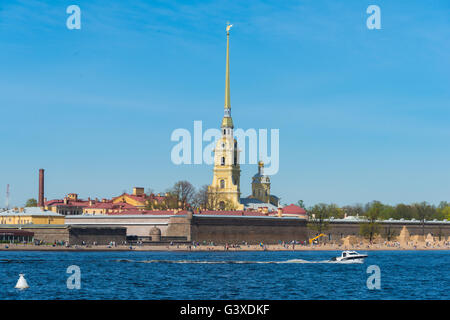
[363, 114]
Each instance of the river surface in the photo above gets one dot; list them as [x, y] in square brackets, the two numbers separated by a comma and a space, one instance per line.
[224, 275]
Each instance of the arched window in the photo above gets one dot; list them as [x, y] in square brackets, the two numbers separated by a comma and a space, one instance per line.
[222, 184]
[222, 162]
[222, 205]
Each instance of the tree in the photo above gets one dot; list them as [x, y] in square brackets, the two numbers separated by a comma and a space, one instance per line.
[387, 212]
[443, 204]
[200, 200]
[215, 199]
[403, 211]
[301, 204]
[334, 211]
[389, 232]
[444, 213]
[318, 216]
[150, 191]
[370, 229]
[353, 210]
[184, 191]
[424, 212]
[31, 203]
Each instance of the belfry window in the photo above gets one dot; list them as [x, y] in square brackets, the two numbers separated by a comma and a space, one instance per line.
[222, 184]
[222, 161]
[224, 131]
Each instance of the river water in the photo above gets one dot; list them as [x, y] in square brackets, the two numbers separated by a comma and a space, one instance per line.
[224, 275]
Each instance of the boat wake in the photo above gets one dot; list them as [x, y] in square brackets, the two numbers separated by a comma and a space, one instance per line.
[235, 261]
[20, 261]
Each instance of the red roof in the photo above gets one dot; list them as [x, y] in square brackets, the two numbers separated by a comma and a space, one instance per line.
[142, 212]
[57, 203]
[111, 206]
[293, 209]
[141, 197]
[184, 212]
[233, 213]
[157, 198]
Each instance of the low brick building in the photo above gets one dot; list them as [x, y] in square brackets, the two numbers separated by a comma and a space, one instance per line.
[73, 235]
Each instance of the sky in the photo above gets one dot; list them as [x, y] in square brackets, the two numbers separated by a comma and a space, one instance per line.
[362, 114]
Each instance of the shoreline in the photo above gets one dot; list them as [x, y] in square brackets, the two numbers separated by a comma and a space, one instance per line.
[217, 248]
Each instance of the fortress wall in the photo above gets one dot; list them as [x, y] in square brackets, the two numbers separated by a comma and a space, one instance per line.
[179, 227]
[339, 230]
[99, 235]
[135, 225]
[253, 230]
[49, 234]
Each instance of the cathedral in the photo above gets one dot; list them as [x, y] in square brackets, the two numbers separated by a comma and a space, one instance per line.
[224, 192]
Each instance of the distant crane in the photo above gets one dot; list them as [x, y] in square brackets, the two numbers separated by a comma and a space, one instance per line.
[315, 238]
[7, 196]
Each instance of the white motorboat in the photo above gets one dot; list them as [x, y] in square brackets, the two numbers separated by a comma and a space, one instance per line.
[352, 256]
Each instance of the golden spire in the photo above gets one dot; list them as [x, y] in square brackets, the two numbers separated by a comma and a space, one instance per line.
[227, 121]
[227, 72]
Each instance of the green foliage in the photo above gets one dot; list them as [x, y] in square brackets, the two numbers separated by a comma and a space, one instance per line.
[424, 212]
[375, 211]
[301, 204]
[319, 214]
[371, 228]
[353, 210]
[31, 203]
[403, 211]
[443, 213]
[420, 211]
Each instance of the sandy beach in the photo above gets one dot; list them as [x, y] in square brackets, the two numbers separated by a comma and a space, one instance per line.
[269, 247]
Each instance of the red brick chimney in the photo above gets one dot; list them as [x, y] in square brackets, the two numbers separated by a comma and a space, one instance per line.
[41, 188]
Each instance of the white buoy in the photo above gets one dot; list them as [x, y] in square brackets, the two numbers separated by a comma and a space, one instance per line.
[22, 282]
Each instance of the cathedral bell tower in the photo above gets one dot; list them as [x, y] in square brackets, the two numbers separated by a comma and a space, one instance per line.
[261, 185]
[224, 192]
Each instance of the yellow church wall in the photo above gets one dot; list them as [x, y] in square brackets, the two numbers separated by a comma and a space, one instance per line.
[27, 219]
[129, 200]
[261, 191]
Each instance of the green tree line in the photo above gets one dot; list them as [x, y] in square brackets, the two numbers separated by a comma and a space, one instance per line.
[372, 212]
[419, 211]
